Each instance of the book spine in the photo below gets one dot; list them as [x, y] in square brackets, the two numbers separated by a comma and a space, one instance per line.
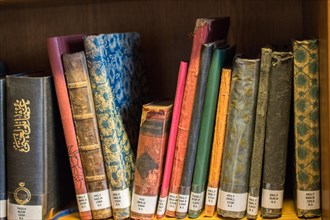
[189, 160]
[238, 141]
[155, 123]
[307, 127]
[172, 139]
[218, 143]
[82, 107]
[117, 152]
[68, 127]
[276, 143]
[259, 135]
[196, 204]
[3, 193]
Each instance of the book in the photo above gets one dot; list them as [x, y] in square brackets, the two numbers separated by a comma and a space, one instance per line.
[206, 31]
[154, 131]
[276, 143]
[3, 190]
[83, 112]
[199, 182]
[218, 143]
[57, 46]
[259, 135]
[237, 150]
[38, 174]
[307, 127]
[162, 201]
[113, 61]
[189, 160]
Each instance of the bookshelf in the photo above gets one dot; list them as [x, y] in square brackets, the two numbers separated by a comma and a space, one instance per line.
[165, 27]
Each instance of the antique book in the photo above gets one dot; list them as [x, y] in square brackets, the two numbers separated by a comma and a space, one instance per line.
[259, 135]
[189, 160]
[218, 143]
[237, 150]
[83, 112]
[38, 174]
[3, 190]
[161, 208]
[57, 46]
[276, 143]
[206, 31]
[154, 131]
[117, 94]
[199, 181]
[307, 127]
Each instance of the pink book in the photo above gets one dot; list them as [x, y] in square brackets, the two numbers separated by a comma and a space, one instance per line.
[172, 139]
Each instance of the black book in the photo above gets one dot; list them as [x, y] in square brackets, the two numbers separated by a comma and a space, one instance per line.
[3, 195]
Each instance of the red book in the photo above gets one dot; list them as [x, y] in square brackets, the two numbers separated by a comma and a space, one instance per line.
[206, 31]
[57, 46]
[172, 139]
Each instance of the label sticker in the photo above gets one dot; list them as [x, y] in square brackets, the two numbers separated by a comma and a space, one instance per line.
[144, 204]
[183, 203]
[83, 202]
[253, 205]
[120, 199]
[99, 200]
[272, 199]
[197, 201]
[161, 206]
[24, 212]
[308, 200]
[235, 202]
[172, 202]
[211, 196]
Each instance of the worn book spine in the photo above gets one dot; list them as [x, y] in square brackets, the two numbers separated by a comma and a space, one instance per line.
[307, 127]
[189, 160]
[238, 140]
[276, 143]
[57, 46]
[161, 208]
[82, 107]
[259, 135]
[205, 135]
[206, 31]
[154, 131]
[117, 152]
[3, 193]
[218, 143]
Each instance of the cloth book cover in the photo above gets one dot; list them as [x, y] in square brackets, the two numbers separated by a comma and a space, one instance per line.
[3, 190]
[83, 112]
[276, 143]
[57, 46]
[38, 174]
[259, 135]
[307, 127]
[206, 31]
[239, 138]
[154, 131]
[161, 208]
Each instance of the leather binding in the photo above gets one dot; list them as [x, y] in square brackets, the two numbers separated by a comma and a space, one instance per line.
[83, 112]
[38, 174]
[114, 64]
[218, 143]
[189, 160]
[161, 208]
[154, 131]
[3, 193]
[57, 46]
[239, 137]
[276, 143]
[259, 135]
[307, 127]
[205, 135]
[206, 31]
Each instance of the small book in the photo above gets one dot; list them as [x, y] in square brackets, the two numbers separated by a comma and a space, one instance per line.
[276, 143]
[162, 201]
[38, 172]
[307, 128]
[154, 130]
[3, 190]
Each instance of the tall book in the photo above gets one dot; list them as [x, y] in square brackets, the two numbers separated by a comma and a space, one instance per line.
[307, 127]
[218, 143]
[3, 193]
[239, 137]
[114, 64]
[154, 130]
[83, 112]
[57, 46]
[206, 31]
[259, 135]
[162, 201]
[37, 164]
[276, 143]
